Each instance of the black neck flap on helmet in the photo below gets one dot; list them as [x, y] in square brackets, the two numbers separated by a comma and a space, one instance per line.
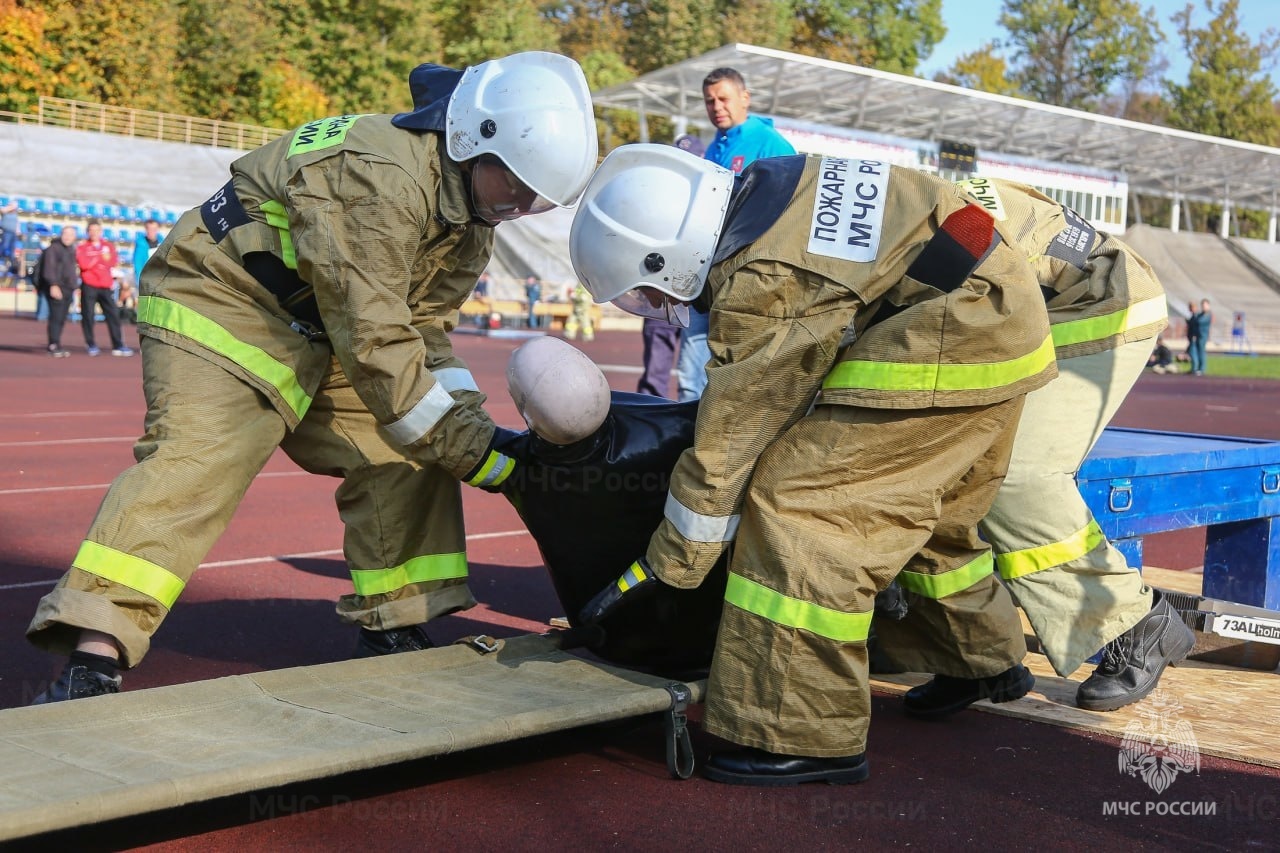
[760, 194]
[431, 86]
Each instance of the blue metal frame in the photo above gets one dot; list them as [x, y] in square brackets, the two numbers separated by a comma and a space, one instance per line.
[1144, 481]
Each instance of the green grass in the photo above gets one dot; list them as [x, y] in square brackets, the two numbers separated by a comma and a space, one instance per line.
[1249, 367]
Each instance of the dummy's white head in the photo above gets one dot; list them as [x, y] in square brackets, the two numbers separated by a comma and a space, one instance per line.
[560, 392]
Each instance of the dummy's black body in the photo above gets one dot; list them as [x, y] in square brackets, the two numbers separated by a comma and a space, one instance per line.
[592, 507]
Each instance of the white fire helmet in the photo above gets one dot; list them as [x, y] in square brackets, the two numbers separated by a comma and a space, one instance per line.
[559, 390]
[533, 112]
[647, 228]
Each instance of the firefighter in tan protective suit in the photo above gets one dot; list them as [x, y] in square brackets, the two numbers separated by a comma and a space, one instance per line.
[1105, 309]
[307, 305]
[873, 334]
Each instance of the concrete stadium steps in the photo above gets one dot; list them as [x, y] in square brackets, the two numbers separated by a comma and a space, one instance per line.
[1267, 254]
[1198, 266]
[56, 163]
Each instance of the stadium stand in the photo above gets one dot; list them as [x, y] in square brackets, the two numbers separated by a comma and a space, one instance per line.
[1198, 266]
[70, 176]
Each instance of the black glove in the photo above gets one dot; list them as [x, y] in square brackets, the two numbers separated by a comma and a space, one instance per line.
[636, 581]
[495, 466]
[891, 602]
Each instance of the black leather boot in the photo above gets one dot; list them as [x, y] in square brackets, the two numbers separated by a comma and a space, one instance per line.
[751, 766]
[946, 695]
[393, 641]
[84, 675]
[1133, 662]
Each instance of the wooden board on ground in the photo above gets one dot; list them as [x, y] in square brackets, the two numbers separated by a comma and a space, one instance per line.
[1230, 709]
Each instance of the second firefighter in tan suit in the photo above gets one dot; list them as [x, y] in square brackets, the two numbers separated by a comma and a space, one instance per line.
[307, 305]
[1105, 309]
[873, 334]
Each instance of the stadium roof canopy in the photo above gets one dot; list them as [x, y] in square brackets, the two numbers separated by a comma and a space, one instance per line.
[1157, 160]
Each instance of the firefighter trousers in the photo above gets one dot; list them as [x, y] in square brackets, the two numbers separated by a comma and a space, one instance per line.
[845, 501]
[1078, 591]
[207, 435]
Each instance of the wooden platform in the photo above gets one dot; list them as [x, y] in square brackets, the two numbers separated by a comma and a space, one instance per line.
[1231, 710]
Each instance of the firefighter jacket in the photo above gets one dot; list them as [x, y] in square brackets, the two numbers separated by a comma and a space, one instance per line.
[843, 282]
[1099, 293]
[349, 237]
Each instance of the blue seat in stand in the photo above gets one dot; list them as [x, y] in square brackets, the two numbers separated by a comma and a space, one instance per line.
[1138, 482]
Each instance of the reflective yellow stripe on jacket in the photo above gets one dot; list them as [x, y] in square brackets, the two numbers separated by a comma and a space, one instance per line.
[1144, 313]
[794, 613]
[278, 219]
[167, 314]
[903, 376]
[424, 569]
[136, 573]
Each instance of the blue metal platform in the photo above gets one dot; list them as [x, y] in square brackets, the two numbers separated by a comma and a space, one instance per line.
[1138, 482]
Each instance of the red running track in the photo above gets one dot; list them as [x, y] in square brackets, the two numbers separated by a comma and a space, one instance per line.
[263, 600]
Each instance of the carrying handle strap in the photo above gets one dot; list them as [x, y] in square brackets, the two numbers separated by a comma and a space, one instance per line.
[680, 760]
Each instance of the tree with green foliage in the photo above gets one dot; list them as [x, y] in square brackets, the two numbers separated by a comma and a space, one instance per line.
[1227, 92]
[114, 53]
[357, 53]
[1070, 52]
[764, 23]
[663, 32]
[891, 35]
[225, 50]
[472, 31]
[982, 70]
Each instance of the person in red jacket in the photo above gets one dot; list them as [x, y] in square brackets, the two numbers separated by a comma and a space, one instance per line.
[96, 258]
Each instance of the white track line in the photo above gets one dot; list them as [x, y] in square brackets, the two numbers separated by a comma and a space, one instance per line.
[35, 490]
[53, 442]
[76, 414]
[247, 561]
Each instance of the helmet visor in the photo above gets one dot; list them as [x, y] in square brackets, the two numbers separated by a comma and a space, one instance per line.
[647, 302]
[498, 195]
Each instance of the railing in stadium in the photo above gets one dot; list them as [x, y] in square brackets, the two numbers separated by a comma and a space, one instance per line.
[145, 124]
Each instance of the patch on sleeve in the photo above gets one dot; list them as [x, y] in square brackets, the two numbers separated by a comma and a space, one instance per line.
[848, 209]
[1074, 242]
[984, 193]
[320, 134]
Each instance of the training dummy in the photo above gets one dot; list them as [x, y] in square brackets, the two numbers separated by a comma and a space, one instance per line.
[591, 486]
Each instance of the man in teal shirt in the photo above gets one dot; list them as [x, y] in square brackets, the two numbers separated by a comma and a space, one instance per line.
[740, 140]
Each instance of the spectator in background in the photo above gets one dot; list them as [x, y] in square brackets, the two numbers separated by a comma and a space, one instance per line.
[9, 230]
[740, 140]
[1198, 336]
[147, 241]
[483, 285]
[96, 257]
[532, 293]
[56, 277]
[1193, 332]
[1161, 360]
[662, 339]
[1239, 337]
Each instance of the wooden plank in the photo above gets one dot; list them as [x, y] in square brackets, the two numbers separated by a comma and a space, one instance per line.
[1229, 709]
